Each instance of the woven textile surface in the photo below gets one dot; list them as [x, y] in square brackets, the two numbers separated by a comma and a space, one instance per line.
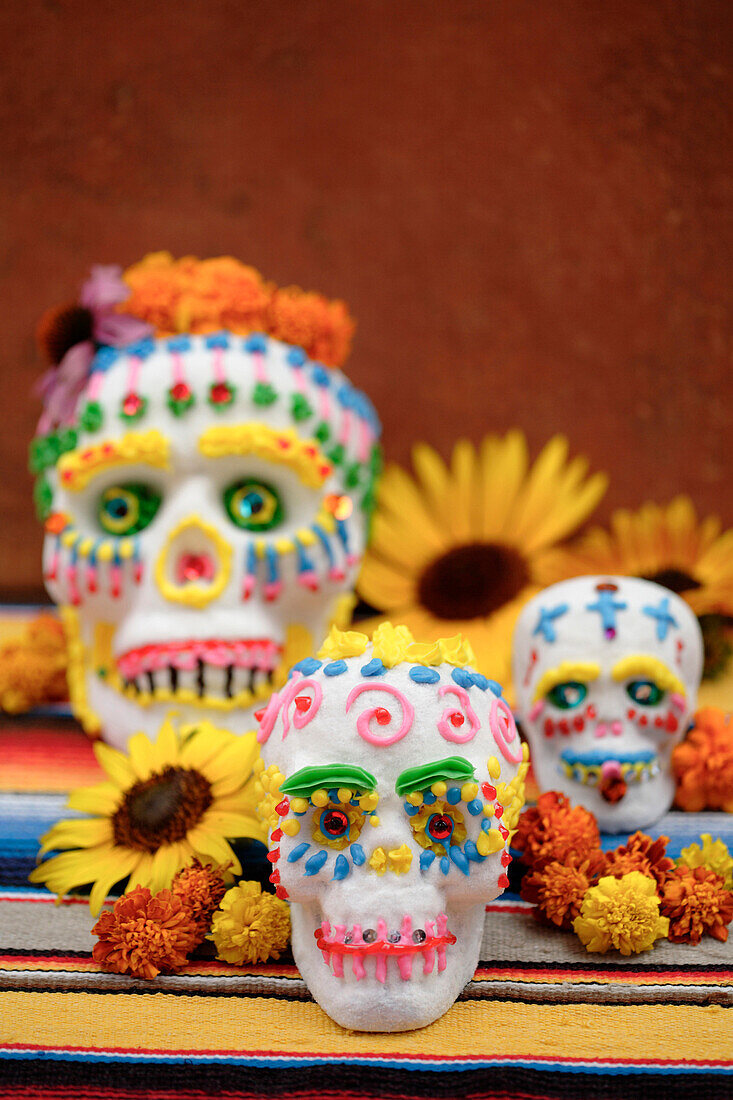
[542, 1018]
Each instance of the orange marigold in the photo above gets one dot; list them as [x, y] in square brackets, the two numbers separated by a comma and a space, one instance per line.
[558, 889]
[555, 830]
[640, 853]
[703, 764]
[33, 666]
[323, 329]
[696, 901]
[144, 934]
[200, 888]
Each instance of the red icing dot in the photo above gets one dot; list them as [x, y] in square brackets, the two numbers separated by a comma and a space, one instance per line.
[659, 722]
[631, 713]
[671, 723]
[383, 716]
[131, 405]
[505, 859]
[488, 791]
[277, 835]
[563, 726]
[579, 723]
[180, 392]
[503, 880]
[260, 714]
[281, 892]
[643, 721]
[456, 718]
[549, 727]
[273, 855]
[591, 711]
[275, 875]
[498, 809]
[303, 702]
[220, 393]
[283, 807]
[504, 831]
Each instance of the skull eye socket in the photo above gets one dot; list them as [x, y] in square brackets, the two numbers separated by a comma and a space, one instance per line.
[440, 828]
[253, 505]
[568, 695]
[127, 509]
[334, 824]
[645, 692]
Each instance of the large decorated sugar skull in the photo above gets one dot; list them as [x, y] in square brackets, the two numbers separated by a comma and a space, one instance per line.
[205, 495]
[393, 780]
[606, 672]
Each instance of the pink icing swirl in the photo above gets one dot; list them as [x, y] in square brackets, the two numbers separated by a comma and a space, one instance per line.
[504, 729]
[364, 721]
[446, 728]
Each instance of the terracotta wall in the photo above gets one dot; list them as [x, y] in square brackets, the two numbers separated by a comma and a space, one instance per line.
[526, 204]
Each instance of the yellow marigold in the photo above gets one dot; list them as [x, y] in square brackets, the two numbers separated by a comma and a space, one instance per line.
[200, 887]
[703, 764]
[33, 666]
[696, 902]
[555, 830]
[145, 934]
[713, 854]
[622, 913]
[250, 926]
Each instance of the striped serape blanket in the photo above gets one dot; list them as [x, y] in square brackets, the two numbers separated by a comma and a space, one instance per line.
[541, 1018]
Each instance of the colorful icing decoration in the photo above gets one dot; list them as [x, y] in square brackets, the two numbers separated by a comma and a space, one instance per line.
[603, 709]
[421, 823]
[546, 621]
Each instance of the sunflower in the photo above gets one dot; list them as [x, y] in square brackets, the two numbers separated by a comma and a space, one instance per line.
[458, 549]
[162, 805]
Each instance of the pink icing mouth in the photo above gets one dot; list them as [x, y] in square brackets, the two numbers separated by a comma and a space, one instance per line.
[248, 653]
[358, 944]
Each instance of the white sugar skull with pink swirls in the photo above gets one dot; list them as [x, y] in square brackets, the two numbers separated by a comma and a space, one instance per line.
[392, 791]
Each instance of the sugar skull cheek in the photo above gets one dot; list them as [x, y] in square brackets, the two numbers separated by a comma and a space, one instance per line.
[607, 670]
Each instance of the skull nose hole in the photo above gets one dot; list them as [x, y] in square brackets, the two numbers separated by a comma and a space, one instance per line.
[192, 568]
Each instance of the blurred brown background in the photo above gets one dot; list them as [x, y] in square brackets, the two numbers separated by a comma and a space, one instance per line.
[526, 205]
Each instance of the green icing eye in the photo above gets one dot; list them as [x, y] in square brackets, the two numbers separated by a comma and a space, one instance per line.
[645, 692]
[127, 509]
[253, 505]
[568, 695]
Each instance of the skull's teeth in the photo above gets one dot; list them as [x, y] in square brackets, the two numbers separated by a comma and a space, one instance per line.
[203, 680]
[361, 953]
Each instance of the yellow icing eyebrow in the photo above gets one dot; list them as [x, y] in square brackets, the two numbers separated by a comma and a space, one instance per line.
[285, 447]
[583, 671]
[77, 468]
[651, 668]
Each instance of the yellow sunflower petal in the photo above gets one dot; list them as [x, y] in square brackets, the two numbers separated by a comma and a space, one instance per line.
[64, 872]
[166, 863]
[206, 842]
[104, 798]
[142, 871]
[142, 755]
[81, 833]
[165, 749]
[383, 585]
[232, 824]
[238, 758]
[116, 765]
[106, 880]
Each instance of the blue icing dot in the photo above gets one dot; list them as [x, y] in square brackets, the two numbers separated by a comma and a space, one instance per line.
[480, 681]
[342, 868]
[320, 376]
[462, 677]
[344, 396]
[486, 825]
[373, 668]
[458, 856]
[178, 343]
[141, 348]
[472, 852]
[217, 340]
[314, 864]
[335, 668]
[296, 357]
[422, 675]
[105, 358]
[453, 796]
[256, 341]
[475, 807]
[426, 858]
[444, 864]
[411, 810]
[333, 794]
[357, 854]
[297, 852]
[495, 687]
[428, 798]
[307, 666]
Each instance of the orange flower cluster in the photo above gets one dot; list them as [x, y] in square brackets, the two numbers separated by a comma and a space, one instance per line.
[201, 296]
[33, 666]
[703, 764]
[561, 847]
[200, 888]
[145, 934]
[555, 830]
[696, 901]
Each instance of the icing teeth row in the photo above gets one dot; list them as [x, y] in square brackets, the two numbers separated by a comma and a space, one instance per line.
[204, 680]
[590, 775]
[356, 946]
[187, 656]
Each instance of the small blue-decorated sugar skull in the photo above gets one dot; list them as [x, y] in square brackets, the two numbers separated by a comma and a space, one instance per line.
[205, 494]
[393, 778]
[606, 672]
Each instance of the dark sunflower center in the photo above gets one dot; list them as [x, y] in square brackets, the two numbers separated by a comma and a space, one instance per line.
[674, 579]
[472, 581]
[161, 809]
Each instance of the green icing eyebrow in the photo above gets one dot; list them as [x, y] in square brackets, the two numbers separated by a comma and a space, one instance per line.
[453, 769]
[303, 783]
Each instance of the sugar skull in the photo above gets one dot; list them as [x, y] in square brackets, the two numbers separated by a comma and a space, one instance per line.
[393, 778]
[606, 672]
[205, 498]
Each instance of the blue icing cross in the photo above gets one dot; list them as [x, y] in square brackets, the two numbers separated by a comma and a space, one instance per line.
[663, 616]
[546, 622]
[607, 607]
